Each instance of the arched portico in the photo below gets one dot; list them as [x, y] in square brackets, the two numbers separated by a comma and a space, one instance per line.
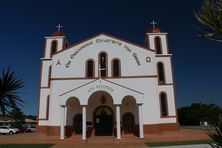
[104, 95]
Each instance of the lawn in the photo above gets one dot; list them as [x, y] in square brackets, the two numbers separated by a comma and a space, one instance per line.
[156, 144]
[25, 145]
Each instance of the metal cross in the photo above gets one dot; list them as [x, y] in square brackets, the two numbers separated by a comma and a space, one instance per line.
[153, 23]
[59, 27]
[100, 69]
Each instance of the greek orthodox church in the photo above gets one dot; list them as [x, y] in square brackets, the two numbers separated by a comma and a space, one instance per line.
[106, 86]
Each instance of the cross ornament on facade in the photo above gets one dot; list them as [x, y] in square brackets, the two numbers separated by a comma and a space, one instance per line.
[153, 23]
[100, 69]
[59, 27]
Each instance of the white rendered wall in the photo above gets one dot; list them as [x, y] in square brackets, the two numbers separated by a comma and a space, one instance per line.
[45, 73]
[64, 66]
[130, 67]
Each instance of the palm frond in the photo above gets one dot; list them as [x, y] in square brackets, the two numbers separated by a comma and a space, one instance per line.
[9, 86]
[210, 17]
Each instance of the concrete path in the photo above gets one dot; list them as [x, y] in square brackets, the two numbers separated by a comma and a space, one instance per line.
[187, 146]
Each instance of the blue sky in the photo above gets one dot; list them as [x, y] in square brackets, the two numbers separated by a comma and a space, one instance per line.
[24, 24]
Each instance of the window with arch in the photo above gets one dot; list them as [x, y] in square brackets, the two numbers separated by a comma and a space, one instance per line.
[90, 68]
[103, 64]
[158, 45]
[53, 47]
[163, 104]
[161, 74]
[116, 68]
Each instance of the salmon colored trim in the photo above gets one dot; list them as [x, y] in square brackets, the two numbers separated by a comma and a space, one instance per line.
[123, 77]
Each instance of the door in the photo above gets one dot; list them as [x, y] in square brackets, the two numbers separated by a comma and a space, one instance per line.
[77, 123]
[103, 121]
[128, 123]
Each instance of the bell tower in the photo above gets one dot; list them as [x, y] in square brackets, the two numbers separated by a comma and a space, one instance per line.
[157, 40]
[53, 44]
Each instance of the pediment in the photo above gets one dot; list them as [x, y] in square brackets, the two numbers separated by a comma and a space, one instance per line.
[84, 92]
[104, 39]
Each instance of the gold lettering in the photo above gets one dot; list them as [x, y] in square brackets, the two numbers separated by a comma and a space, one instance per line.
[58, 62]
[136, 58]
[68, 64]
[148, 59]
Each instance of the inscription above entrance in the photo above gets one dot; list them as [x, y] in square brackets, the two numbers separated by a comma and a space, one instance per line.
[100, 87]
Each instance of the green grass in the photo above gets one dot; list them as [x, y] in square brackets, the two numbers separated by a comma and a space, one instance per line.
[196, 127]
[25, 145]
[156, 144]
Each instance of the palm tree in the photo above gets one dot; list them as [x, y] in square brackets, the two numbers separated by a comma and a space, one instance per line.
[216, 133]
[210, 16]
[9, 86]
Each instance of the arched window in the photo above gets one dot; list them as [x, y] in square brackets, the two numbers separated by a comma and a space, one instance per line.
[163, 104]
[116, 68]
[103, 64]
[161, 74]
[158, 45]
[90, 68]
[53, 47]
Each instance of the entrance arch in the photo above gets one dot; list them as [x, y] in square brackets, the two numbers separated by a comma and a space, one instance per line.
[103, 121]
[77, 123]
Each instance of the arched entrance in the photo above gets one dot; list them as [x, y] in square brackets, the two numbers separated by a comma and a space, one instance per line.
[103, 121]
[128, 122]
[77, 123]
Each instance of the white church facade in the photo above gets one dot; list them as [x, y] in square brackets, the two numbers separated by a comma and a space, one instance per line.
[106, 86]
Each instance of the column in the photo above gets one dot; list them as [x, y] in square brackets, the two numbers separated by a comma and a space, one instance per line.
[141, 121]
[118, 122]
[62, 125]
[84, 123]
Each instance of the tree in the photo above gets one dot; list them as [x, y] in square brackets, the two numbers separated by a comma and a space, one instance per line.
[210, 17]
[18, 116]
[9, 86]
[192, 115]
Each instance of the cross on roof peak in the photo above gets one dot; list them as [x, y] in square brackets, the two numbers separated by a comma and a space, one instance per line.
[153, 23]
[59, 27]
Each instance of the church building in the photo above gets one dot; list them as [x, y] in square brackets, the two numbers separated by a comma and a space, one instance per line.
[107, 86]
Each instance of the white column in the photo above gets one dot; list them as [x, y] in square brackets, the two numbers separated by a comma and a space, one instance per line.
[84, 123]
[141, 121]
[62, 125]
[118, 122]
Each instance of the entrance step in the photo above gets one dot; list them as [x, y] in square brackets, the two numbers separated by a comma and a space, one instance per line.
[111, 139]
[101, 139]
[74, 139]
